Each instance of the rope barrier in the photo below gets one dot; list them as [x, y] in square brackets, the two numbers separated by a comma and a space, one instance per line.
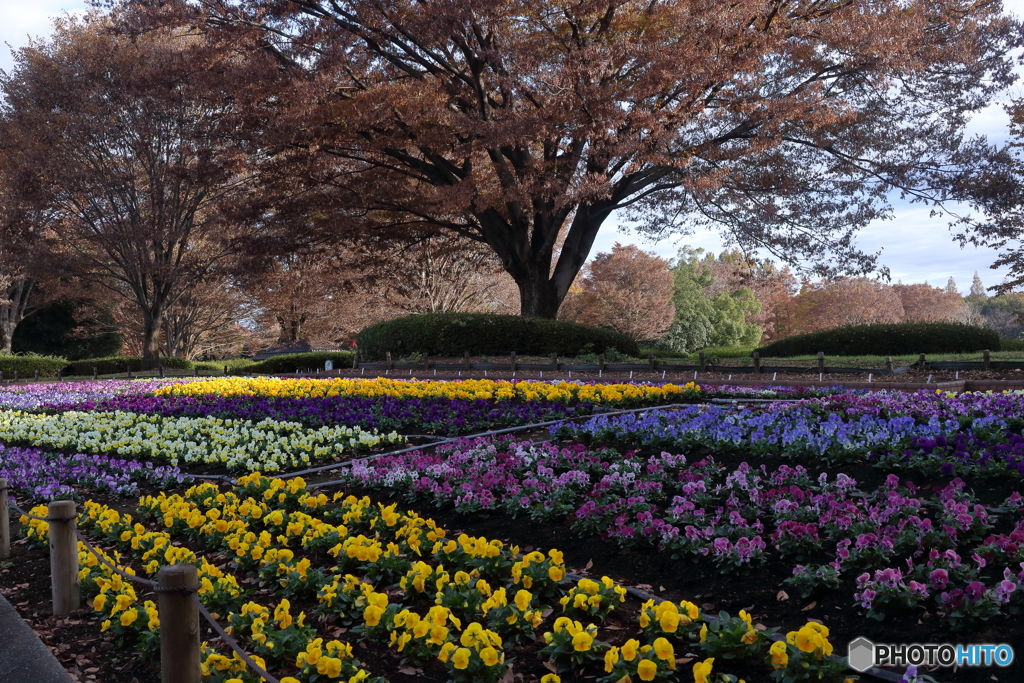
[257, 669]
[153, 586]
[132, 577]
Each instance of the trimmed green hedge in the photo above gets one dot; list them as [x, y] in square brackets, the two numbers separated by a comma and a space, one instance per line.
[26, 366]
[291, 362]
[479, 334]
[112, 365]
[886, 340]
[1011, 345]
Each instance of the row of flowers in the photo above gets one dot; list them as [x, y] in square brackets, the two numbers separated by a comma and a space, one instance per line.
[704, 513]
[266, 445]
[47, 394]
[45, 475]
[383, 413]
[976, 434]
[395, 578]
[523, 390]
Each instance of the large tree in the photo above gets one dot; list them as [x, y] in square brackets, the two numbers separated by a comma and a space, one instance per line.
[512, 121]
[130, 146]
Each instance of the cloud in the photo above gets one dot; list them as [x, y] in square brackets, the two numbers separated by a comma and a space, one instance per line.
[22, 19]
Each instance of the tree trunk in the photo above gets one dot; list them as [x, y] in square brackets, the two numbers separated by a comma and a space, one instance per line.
[538, 298]
[151, 341]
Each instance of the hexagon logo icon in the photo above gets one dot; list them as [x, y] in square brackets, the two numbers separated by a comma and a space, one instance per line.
[861, 654]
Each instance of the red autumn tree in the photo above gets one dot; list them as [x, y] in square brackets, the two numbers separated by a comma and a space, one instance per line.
[924, 303]
[510, 121]
[129, 145]
[845, 301]
[626, 289]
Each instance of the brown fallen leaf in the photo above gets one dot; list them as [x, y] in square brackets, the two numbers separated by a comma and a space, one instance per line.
[814, 603]
[782, 595]
[590, 564]
[410, 671]
[708, 606]
[684, 660]
[550, 666]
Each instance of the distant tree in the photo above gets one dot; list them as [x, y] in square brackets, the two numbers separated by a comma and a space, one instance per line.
[772, 286]
[444, 273]
[703, 319]
[1004, 314]
[924, 303]
[951, 287]
[977, 292]
[131, 145]
[627, 289]
[845, 301]
[204, 321]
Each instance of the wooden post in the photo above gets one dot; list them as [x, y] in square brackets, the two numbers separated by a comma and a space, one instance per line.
[95, 372]
[179, 624]
[64, 557]
[225, 371]
[651, 363]
[426, 362]
[129, 371]
[195, 370]
[1, 375]
[515, 363]
[160, 367]
[600, 362]
[703, 361]
[986, 356]
[355, 359]
[888, 365]
[391, 363]
[821, 361]
[5, 522]
[921, 361]
[60, 374]
[554, 361]
[465, 360]
[757, 362]
[36, 376]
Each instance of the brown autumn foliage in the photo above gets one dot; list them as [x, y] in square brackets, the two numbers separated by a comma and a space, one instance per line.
[510, 121]
[123, 142]
[844, 301]
[627, 289]
[923, 303]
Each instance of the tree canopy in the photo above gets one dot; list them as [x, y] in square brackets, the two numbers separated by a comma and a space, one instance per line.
[517, 123]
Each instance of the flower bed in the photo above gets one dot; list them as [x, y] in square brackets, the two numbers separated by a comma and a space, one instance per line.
[52, 476]
[965, 434]
[705, 514]
[70, 394]
[266, 445]
[470, 389]
[455, 609]
[383, 413]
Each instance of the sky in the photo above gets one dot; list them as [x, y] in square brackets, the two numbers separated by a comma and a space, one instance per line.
[914, 246]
